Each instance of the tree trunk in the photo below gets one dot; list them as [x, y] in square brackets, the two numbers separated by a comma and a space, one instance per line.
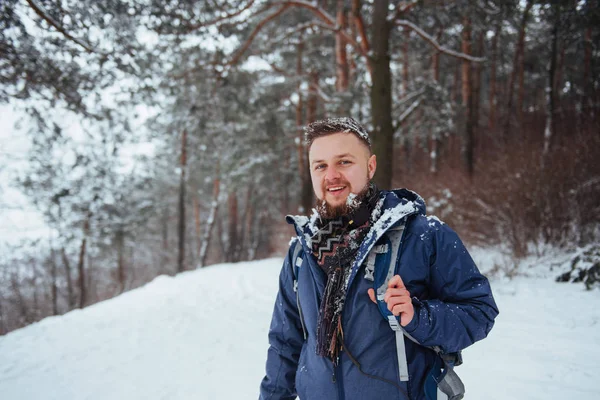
[210, 222]
[476, 87]
[341, 56]
[493, 83]
[21, 304]
[435, 139]
[311, 116]
[233, 226]
[467, 144]
[81, 264]
[549, 130]
[405, 47]
[381, 95]
[54, 287]
[519, 55]
[244, 226]
[69, 279]
[181, 223]
[306, 187]
[120, 241]
[165, 241]
[197, 224]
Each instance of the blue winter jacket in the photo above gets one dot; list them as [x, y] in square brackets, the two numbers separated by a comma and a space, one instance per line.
[453, 305]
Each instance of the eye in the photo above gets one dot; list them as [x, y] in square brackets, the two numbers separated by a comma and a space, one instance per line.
[345, 162]
[319, 166]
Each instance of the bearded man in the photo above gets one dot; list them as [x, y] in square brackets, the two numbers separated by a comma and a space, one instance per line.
[363, 253]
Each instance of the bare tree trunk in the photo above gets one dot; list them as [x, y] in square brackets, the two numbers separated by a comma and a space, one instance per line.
[69, 279]
[341, 56]
[435, 139]
[210, 222]
[3, 328]
[54, 286]
[381, 94]
[233, 226]
[164, 258]
[358, 22]
[305, 193]
[493, 71]
[244, 226]
[476, 87]
[467, 100]
[81, 264]
[457, 88]
[181, 223]
[197, 224]
[120, 239]
[21, 304]
[550, 130]
[405, 47]
[519, 55]
[311, 116]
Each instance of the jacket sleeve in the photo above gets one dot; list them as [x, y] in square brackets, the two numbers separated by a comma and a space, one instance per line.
[285, 340]
[460, 308]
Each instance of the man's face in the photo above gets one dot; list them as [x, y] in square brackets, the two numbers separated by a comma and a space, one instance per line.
[340, 164]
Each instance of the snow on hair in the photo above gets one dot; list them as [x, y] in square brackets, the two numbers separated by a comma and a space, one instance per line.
[335, 125]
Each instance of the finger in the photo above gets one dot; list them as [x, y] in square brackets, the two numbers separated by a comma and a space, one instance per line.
[371, 293]
[400, 308]
[393, 292]
[396, 282]
[394, 301]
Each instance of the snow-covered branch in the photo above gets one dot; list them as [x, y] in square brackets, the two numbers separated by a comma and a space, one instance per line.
[407, 113]
[222, 18]
[52, 22]
[434, 43]
[284, 6]
[238, 54]
[401, 8]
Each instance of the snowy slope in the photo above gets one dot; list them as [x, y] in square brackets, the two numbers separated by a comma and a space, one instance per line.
[203, 335]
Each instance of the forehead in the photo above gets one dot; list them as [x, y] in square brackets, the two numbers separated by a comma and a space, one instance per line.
[328, 147]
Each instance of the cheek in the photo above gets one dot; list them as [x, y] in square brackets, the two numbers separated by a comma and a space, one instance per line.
[317, 185]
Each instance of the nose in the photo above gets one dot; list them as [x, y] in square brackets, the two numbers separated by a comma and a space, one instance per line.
[332, 174]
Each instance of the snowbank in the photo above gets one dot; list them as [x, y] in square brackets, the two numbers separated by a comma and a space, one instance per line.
[203, 335]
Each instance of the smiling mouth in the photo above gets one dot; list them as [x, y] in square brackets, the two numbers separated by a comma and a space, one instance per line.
[335, 189]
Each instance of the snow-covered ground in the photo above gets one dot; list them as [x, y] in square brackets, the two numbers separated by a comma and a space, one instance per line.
[203, 335]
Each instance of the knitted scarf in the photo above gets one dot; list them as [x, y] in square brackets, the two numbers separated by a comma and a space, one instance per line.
[335, 246]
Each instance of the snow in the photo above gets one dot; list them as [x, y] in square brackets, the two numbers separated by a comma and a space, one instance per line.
[203, 334]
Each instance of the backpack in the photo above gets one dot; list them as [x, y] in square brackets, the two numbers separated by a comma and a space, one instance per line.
[442, 382]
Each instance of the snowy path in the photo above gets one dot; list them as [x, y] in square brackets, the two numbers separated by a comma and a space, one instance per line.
[203, 335]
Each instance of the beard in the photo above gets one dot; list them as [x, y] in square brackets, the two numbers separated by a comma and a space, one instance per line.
[353, 201]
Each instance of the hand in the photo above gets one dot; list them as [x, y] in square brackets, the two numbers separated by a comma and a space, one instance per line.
[398, 300]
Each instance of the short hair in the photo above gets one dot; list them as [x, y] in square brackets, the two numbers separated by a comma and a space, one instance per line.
[329, 126]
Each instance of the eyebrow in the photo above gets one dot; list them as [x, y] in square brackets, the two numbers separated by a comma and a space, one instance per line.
[345, 155]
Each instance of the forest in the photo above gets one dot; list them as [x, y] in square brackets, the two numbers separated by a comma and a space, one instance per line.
[166, 136]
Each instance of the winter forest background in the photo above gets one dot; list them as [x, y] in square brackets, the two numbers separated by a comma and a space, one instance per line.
[152, 137]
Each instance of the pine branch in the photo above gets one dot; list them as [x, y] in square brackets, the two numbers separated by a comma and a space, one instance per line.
[40, 12]
[235, 59]
[401, 8]
[215, 21]
[284, 6]
[434, 43]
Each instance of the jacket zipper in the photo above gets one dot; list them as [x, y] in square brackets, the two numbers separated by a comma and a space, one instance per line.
[300, 311]
[338, 379]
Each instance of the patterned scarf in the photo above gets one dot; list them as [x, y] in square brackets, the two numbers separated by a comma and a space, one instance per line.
[335, 246]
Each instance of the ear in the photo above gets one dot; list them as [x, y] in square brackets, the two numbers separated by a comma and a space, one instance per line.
[372, 165]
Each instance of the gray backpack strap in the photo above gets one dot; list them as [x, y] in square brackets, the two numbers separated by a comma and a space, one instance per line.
[395, 237]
